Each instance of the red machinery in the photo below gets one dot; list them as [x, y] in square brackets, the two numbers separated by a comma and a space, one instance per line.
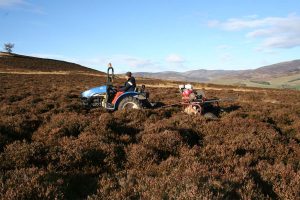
[195, 102]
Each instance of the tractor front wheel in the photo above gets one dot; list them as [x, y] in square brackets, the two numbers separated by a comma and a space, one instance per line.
[130, 103]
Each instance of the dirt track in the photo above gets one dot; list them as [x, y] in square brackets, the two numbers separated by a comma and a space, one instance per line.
[205, 88]
[166, 84]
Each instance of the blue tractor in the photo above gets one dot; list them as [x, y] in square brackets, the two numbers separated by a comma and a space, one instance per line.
[107, 96]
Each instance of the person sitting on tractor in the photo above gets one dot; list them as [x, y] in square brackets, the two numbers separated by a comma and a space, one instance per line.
[129, 86]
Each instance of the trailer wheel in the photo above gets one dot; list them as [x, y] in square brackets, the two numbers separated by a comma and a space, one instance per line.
[130, 103]
[210, 115]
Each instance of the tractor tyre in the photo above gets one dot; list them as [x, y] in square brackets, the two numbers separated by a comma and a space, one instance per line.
[210, 115]
[130, 103]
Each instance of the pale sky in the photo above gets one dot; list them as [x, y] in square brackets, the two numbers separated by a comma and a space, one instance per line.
[155, 35]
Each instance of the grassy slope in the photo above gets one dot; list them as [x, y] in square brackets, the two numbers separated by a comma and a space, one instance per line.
[15, 63]
[277, 82]
[20, 63]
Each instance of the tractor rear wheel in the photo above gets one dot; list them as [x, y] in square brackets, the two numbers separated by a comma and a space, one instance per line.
[130, 103]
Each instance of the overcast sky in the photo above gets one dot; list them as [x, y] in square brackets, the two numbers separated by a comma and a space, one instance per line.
[155, 35]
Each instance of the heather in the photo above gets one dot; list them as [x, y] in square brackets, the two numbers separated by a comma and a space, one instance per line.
[52, 148]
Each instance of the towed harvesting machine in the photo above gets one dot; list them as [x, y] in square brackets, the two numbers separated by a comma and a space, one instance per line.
[195, 102]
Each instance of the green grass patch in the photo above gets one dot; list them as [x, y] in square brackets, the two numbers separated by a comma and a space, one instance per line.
[261, 82]
[293, 80]
[297, 87]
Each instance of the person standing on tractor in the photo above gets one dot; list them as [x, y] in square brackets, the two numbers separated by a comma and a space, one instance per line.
[130, 84]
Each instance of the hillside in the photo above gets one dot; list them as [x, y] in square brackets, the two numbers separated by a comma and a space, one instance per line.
[51, 148]
[279, 69]
[21, 63]
[194, 75]
[280, 75]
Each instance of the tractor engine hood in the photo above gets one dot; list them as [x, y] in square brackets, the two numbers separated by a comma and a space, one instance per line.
[93, 91]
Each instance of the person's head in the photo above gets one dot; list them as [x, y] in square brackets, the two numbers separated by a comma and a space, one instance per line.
[128, 75]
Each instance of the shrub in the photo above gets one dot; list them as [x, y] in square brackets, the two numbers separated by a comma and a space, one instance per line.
[30, 183]
[22, 154]
[61, 126]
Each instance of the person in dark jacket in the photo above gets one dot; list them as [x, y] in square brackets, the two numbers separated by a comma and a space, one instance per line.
[130, 84]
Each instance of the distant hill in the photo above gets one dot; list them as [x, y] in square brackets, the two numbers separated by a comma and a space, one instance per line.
[21, 63]
[201, 75]
[280, 75]
[275, 70]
